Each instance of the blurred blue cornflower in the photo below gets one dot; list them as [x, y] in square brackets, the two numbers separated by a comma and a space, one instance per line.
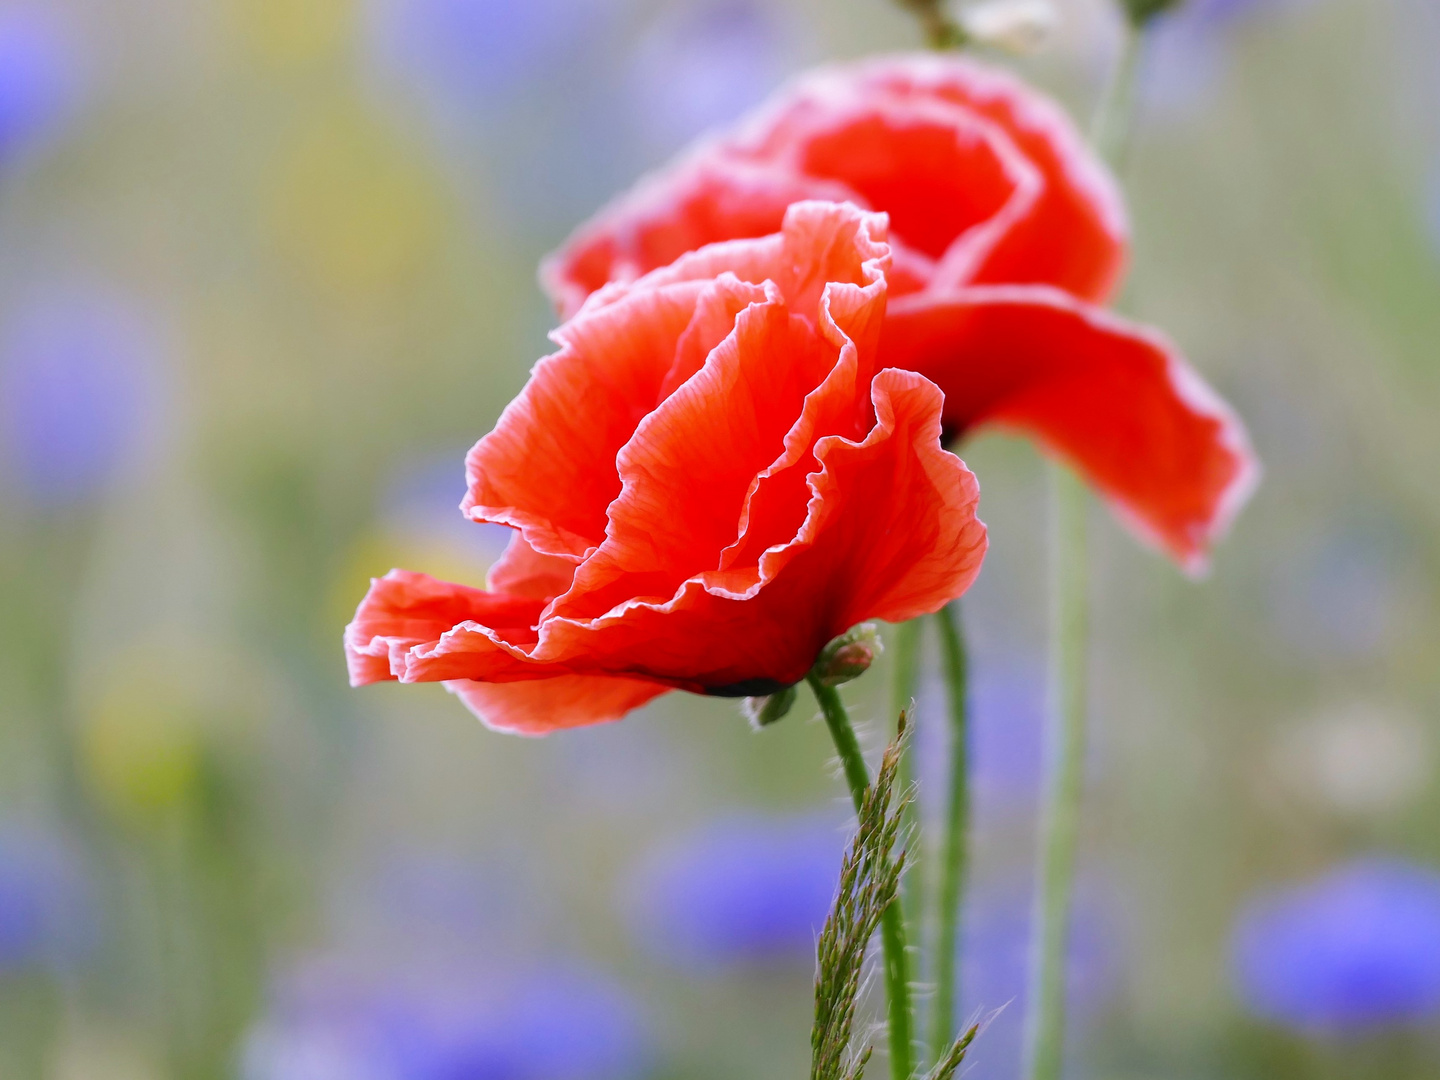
[1007, 733]
[78, 368]
[996, 970]
[470, 56]
[331, 1021]
[39, 77]
[47, 917]
[705, 63]
[1355, 949]
[562, 1022]
[742, 890]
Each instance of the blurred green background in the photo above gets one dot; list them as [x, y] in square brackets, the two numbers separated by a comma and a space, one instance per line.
[267, 271]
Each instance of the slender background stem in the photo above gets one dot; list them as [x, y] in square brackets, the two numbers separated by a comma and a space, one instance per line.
[1065, 766]
[954, 854]
[892, 926]
[909, 637]
[1114, 114]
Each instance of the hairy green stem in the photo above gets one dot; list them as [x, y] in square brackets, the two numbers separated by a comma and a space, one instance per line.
[1064, 781]
[842, 732]
[909, 637]
[892, 925]
[957, 824]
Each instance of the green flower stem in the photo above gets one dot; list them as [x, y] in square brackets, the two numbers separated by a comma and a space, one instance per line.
[1114, 115]
[1064, 782]
[957, 824]
[909, 637]
[892, 925]
[1065, 777]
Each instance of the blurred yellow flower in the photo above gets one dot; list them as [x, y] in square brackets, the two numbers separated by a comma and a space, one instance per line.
[140, 739]
[294, 31]
[352, 209]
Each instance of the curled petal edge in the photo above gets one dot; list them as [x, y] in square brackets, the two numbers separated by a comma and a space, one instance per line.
[1189, 544]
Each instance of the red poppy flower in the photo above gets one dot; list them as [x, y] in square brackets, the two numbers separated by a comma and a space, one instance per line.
[708, 482]
[1004, 228]
[985, 181]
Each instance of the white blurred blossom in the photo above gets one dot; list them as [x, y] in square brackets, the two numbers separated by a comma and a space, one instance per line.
[1016, 26]
[1363, 758]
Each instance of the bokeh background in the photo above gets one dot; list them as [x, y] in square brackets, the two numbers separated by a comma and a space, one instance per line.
[267, 271]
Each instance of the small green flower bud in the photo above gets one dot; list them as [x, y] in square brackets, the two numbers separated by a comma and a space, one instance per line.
[850, 655]
[764, 711]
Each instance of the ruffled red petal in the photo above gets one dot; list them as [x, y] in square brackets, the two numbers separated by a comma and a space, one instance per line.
[708, 197]
[1115, 400]
[984, 179]
[712, 436]
[938, 173]
[630, 347]
[816, 244]
[749, 490]
[897, 506]
[890, 533]
[1075, 236]
[404, 611]
[540, 706]
[523, 571]
[736, 419]
[548, 468]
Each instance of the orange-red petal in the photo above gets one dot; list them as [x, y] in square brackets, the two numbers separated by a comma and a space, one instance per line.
[1075, 236]
[523, 571]
[689, 467]
[1113, 399]
[890, 533]
[748, 490]
[939, 172]
[404, 610]
[899, 506]
[984, 179]
[703, 199]
[788, 356]
[548, 468]
[540, 706]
